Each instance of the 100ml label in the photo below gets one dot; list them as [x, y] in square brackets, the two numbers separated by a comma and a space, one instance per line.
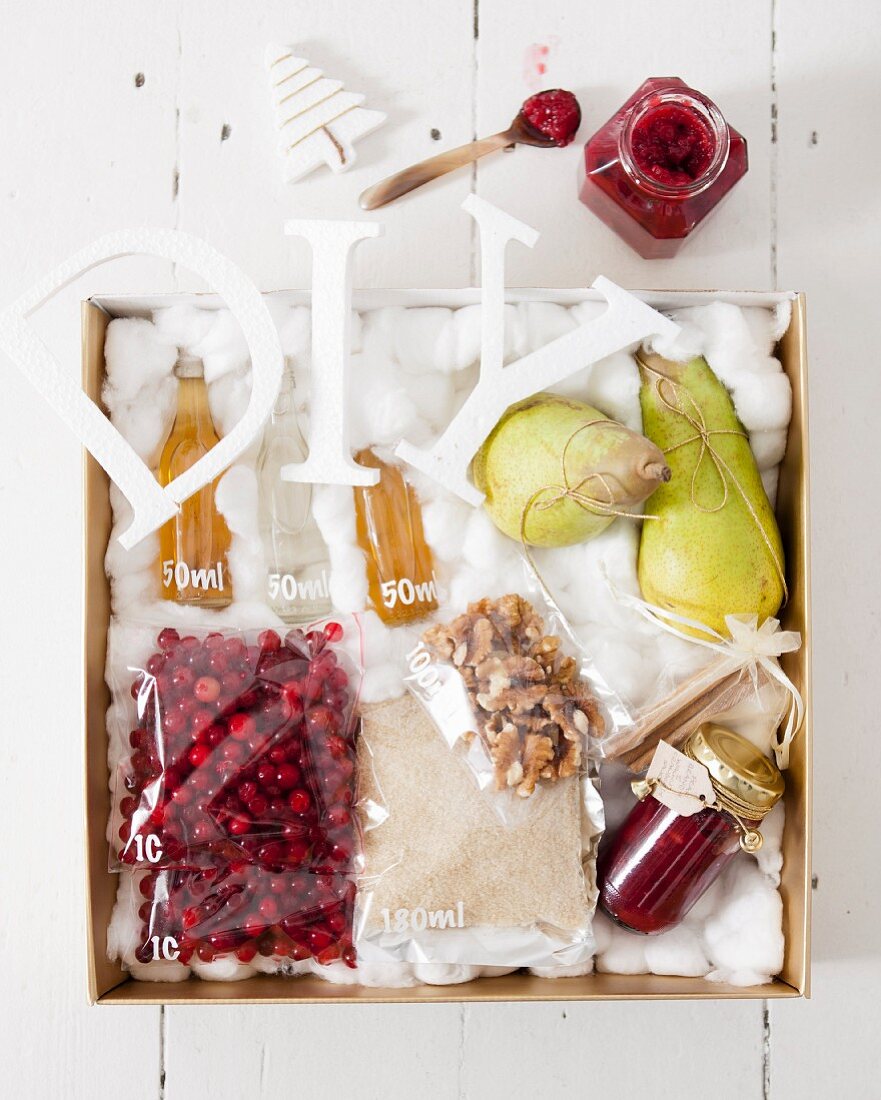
[418, 919]
[182, 576]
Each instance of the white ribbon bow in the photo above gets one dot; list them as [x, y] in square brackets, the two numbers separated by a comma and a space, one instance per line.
[750, 646]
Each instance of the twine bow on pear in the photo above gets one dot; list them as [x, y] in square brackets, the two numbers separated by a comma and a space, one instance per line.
[548, 495]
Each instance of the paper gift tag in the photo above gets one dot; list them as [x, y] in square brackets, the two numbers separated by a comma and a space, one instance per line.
[679, 782]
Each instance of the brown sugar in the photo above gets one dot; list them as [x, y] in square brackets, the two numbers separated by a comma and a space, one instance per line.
[443, 844]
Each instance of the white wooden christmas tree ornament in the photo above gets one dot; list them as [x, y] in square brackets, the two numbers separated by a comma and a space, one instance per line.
[317, 120]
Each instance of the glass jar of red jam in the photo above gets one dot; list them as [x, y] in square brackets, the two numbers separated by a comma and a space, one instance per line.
[660, 165]
[660, 862]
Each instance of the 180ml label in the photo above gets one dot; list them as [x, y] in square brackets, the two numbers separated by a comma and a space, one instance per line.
[419, 918]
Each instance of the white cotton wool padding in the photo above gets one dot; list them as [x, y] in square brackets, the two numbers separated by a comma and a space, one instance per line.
[295, 333]
[228, 398]
[184, 326]
[763, 402]
[424, 340]
[466, 337]
[768, 447]
[618, 952]
[227, 968]
[546, 321]
[443, 523]
[770, 479]
[743, 935]
[678, 951]
[137, 357]
[223, 348]
[237, 500]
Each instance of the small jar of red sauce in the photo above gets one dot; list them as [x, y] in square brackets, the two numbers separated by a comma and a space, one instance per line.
[659, 862]
[660, 165]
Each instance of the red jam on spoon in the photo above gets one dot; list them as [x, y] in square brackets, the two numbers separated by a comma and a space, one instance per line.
[555, 114]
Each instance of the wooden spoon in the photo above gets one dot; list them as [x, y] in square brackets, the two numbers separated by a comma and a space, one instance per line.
[520, 132]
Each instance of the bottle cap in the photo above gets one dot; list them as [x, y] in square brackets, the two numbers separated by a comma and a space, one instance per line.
[746, 782]
[189, 366]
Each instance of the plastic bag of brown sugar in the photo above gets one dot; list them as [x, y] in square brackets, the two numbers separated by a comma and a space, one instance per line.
[445, 881]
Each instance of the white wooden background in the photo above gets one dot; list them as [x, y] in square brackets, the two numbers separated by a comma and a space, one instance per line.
[87, 146]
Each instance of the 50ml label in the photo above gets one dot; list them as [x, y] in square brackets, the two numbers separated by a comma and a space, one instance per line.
[290, 589]
[406, 592]
[418, 919]
[182, 576]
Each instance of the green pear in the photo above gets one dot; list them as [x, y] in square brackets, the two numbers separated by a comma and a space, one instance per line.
[714, 548]
[519, 469]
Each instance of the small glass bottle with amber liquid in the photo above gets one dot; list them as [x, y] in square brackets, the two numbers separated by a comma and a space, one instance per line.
[193, 546]
[400, 568]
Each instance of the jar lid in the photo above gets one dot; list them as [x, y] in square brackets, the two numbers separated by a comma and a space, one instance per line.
[189, 366]
[744, 778]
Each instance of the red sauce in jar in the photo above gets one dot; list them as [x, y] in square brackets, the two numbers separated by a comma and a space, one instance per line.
[661, 165]
[658, 864]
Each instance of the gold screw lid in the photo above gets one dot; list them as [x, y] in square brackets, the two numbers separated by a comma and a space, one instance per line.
[744, 778]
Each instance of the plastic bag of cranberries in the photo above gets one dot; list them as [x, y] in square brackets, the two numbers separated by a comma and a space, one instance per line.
[242, 916]
[241, 747]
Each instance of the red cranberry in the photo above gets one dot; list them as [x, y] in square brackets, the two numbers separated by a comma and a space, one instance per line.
[333, 632]
[168, 638]
[322, 720]
[258, 805]
[246, 952]
[206, 689]
[287, 776]
[319, 939]
[156, 663]
[239, 825]
[266, 774]
[247, 791]
[182, 677]
[329, 954]
[198, 754]
[338, 817]
[269, 641]
[299, 801]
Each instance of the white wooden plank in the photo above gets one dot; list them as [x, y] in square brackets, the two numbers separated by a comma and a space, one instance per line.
[81, 138]
[417, 69]
[603, 52]
[829, 240]
[381, 1052]
[668, 1051]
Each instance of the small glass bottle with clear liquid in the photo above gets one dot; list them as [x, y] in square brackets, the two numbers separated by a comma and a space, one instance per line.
[297, 561]
[193, 546]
